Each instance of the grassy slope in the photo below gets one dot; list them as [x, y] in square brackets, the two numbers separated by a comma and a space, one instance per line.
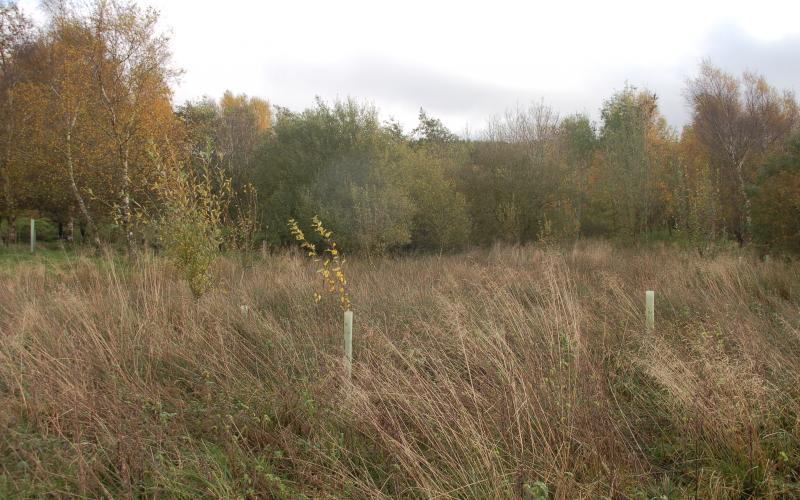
[491, 374]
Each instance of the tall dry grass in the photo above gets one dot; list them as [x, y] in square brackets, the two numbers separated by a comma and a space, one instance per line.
[511, 372]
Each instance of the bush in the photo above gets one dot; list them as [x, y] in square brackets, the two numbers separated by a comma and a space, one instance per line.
[776, 203]
[191, 225]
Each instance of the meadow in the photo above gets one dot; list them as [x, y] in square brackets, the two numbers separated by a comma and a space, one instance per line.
[510, 372]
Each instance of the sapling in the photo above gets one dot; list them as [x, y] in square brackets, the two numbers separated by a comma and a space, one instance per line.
[331, 268]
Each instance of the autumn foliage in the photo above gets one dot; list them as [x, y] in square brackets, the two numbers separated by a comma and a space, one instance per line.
[86, 102]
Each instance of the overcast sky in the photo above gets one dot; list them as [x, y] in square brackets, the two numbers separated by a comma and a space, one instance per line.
[464, 61]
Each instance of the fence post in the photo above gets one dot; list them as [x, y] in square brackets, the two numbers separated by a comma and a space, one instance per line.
[348, 343]
[33, 234]
[650, 309]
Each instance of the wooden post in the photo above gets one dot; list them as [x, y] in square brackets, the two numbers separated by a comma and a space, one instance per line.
[33, 235]
[348, 343]
[650, 309]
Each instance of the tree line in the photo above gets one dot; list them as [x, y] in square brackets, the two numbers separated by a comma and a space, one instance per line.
[89, 120]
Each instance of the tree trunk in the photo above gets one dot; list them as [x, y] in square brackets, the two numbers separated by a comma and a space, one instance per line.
[71, 229]
[8, 196]
[75, 191]
[127, 212]
[11, 236]
[746, 219]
